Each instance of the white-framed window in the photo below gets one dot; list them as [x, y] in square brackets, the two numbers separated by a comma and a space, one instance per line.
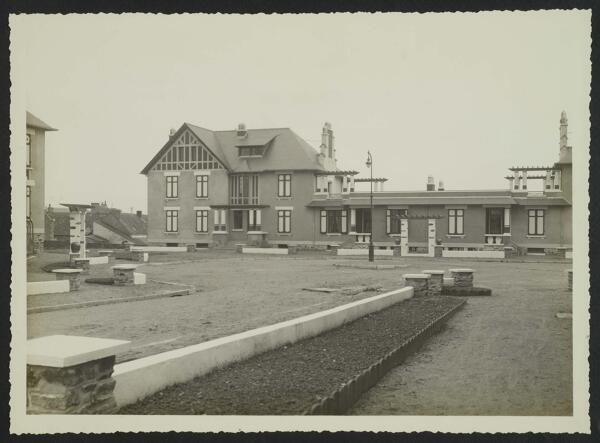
[244, 189]
[332, 221]
[254, 220]
[284, 221]
[202, 186]
[394, 220]
[284, 188]
[220, 220]
[536, 222]
[202, 220]
[238, 220]
[172, 220]
[172, 186]
[456, 221]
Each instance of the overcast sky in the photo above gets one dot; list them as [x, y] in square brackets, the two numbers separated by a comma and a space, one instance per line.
[459, 96]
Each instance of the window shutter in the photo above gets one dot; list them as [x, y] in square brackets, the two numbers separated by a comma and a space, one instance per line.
[257, 216]
[323, 222]
[387, 221]
[352, 220]
[216, 215]
[344, 221]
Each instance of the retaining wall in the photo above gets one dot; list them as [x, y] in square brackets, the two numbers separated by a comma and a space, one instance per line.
[47, 287]
[365, 251]
[472, 254]
[139, 378]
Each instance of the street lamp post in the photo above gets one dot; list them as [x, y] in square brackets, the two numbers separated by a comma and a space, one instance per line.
[371, 247]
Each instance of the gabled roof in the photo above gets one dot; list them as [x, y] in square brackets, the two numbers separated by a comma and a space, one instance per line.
[286, 150]
[34, 122]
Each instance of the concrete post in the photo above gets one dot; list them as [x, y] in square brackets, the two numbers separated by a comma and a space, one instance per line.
[404, 237]
[435, 283]
[419, 282]
[71, 375]
[463, 278]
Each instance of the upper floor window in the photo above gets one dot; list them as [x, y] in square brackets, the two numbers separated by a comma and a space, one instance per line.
[284, 221]
[251, 151]
[244, 189]
[172, 216]
[202, 220]
[284, 188]
[202, 186]
[456, 221]
[394, 218]
[172, 186]
[536, 222]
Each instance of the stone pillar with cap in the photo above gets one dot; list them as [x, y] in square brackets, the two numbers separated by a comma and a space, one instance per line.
[73, 275]
[123, 274]
[463, 278]
[83, 264]
[71, 375]
[419, 283]
[435, 283]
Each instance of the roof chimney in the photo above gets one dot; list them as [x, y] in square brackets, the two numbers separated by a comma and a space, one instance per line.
[430, 183]
[241, 131]
[441, 186]
[138, 213]
[172, 132]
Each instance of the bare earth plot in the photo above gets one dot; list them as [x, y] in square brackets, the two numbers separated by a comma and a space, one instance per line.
[501, 355]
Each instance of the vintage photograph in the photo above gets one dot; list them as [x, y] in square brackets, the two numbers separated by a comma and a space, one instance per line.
[356, 221]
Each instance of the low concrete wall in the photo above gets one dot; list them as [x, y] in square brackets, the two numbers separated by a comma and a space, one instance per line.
[139, 378]
[139, 278]
[159, 248]
[98, 260]
[472, 254]
[365, 252]
[47, 287]
[278, 251]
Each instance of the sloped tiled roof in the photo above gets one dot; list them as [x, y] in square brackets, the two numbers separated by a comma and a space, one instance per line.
[34, 122]
[286, 150]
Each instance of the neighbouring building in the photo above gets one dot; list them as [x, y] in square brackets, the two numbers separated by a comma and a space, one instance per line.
[105, 226]
[35, 146]
[269, 186]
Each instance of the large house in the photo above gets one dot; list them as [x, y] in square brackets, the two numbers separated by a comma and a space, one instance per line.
[269, 186]
[35, 145]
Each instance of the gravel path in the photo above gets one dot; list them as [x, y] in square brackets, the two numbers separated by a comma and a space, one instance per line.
[506, 354]
[291, 379]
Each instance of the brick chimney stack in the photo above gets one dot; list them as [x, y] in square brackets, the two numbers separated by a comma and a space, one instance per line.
[430, 183]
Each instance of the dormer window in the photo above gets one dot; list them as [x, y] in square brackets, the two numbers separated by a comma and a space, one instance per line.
[251, 151]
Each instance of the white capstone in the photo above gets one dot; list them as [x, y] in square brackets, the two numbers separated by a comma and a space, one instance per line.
[462, 270]
[415, 276]
[61, 351]
[67, 271]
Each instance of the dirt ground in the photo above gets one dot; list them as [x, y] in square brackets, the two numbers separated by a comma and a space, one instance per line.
[501, 355]
[506, 354]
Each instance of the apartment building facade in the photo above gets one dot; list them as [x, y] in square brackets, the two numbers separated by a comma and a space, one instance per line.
[269, 186]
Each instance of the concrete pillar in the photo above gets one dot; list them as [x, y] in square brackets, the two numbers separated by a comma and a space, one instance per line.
[419, 283]
[435, 283]
[123, 274]
[431, 232]
[71, 375]
[463, 278]
[524, 185]
[73, 275]
[517, 185]
[404, 236]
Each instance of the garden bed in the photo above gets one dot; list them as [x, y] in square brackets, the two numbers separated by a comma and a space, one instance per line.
[293, 379]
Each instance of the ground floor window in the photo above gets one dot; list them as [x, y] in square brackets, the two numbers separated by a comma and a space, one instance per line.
[362, 221]
[333, 221]
[456, 221]
[238, 219]
[394, 220]
[202, 221]
[172, 216]
[220, 220]
[536, 222]
[254, 222]
[284, 221]
[494, 221]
